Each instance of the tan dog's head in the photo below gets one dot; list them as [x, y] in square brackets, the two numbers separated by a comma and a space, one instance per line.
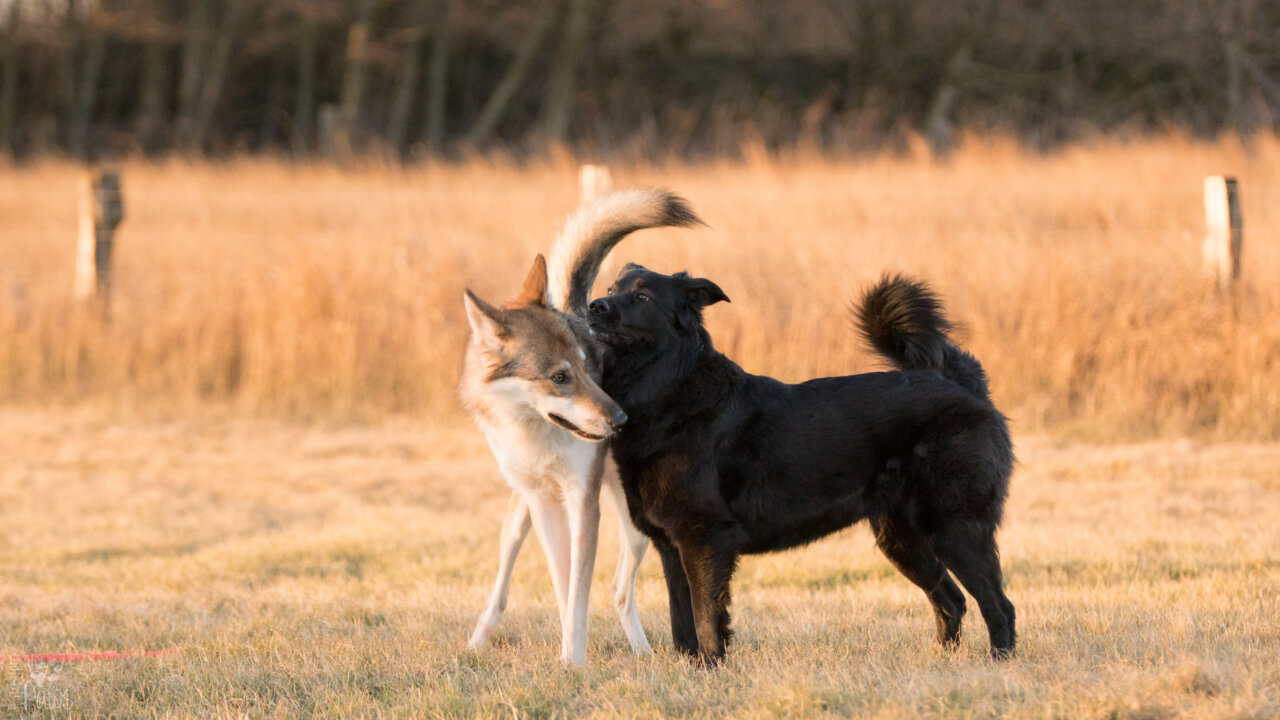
[535, 358]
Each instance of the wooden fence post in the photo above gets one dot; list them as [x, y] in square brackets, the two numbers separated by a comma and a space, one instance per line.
[594, 181]
[1225, 236]
[101, 211]
[85, 273]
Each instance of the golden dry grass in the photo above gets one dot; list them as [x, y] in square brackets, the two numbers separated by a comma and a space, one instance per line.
[157, 491]
[336, 571]
[309, 291]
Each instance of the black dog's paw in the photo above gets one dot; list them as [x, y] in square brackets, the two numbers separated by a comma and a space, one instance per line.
[709, 661]
[1002, 654]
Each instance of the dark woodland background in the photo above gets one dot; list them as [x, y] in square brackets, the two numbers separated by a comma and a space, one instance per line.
[621, 78]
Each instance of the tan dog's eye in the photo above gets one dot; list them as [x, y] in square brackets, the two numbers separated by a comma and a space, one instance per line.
[560, 378]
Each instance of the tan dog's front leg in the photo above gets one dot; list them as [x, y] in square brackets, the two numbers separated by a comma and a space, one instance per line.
[584, 527]
[551, 523]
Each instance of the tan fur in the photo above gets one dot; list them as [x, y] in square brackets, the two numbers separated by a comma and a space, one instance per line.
[534, 291]
[593, 229]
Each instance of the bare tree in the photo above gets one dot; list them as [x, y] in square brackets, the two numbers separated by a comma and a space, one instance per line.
[353, 76]
[72, 30]
[193, 68]
[87, 82]
[9, 53]
[515, 74]
[410, 70]
[557, 102]
[304, 107]
[149, 122]
[211, 88]
[438, 76]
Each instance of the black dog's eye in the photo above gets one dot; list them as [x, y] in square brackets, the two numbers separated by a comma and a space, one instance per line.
[642, 296]
[560, 378]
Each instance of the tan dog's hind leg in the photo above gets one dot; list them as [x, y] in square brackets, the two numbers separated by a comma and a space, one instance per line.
[515, 527]
[633, 546]
[583, 507]
[584, 529]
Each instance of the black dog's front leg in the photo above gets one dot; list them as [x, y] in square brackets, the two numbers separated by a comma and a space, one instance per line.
[683, 634]
[709, 569]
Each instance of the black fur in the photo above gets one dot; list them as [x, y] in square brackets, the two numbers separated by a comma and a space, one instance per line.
[717, 462]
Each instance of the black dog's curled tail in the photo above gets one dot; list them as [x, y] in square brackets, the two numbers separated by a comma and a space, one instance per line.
[902, 320]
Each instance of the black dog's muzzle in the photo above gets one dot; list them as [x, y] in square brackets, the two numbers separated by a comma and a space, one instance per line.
[600, 308]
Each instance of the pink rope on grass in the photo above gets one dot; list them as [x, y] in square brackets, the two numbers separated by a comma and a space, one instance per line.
[75, 657]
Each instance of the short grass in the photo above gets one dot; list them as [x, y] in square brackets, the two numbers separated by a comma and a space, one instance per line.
[258, 460]
[335, 570]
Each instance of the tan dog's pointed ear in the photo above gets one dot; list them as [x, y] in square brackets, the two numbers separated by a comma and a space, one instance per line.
[486, 326]
[534, 291]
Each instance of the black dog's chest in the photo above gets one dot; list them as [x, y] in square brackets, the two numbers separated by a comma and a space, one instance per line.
[651, 482]
[632, 486]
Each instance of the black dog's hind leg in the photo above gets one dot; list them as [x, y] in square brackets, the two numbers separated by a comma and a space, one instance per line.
[913, 557]
[968, 548]
[683, 634]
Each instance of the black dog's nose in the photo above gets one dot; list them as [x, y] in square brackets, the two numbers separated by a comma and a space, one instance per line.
[618, 419]
[599, 307]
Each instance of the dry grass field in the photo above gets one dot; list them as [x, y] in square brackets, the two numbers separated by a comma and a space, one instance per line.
[258, 462]
[336, 571]
[313, 292]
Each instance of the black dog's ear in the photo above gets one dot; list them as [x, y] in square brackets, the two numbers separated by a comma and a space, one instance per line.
[629, 267]
[698, 293]
[702, 292]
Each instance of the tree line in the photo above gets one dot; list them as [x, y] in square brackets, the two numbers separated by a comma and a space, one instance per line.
[620, 78]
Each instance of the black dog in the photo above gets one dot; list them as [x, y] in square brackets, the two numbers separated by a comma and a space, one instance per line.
[717, 462]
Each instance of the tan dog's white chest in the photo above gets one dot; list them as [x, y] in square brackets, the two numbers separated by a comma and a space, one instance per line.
[534, 455]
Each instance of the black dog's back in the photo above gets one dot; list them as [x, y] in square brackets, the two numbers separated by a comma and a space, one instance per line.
[903, 321]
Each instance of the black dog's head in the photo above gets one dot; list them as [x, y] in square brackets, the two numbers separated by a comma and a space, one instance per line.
[645, 310]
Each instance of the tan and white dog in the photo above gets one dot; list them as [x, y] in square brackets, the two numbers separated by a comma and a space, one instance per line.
[530, 379]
